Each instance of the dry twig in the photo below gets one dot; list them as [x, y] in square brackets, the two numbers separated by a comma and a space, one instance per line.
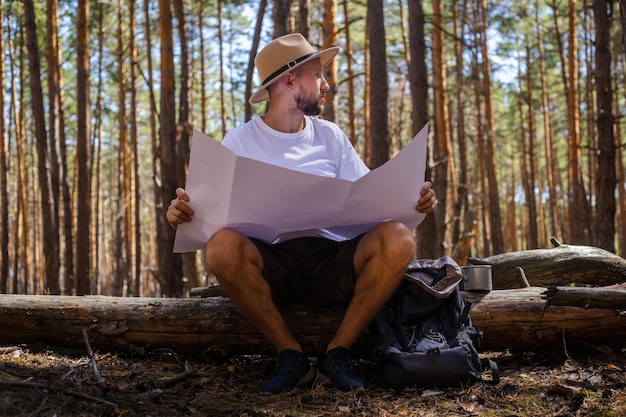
[92, 359]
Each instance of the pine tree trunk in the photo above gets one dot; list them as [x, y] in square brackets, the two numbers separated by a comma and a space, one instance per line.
[330, 38]
[4, 185]
[379, 96]
[352, 120]
[170, 264]
[578, 211]
[606, 180]
[50, 228]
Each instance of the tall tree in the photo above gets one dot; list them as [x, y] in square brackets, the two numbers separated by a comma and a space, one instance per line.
[464, 224]
[83, 152]
[349, 75]
[550, 157]
[606, 179]
[622, 12]
[50, 228]
[134, 150]
[497, 242]
[253, 50]
[122, 223]
[578, 209]
[184, 129]
[433, 231]
[170, 264]
[281, 11]
[330, 38]
[531, 183]
[303, 18]
[4, 183]
[379, 96]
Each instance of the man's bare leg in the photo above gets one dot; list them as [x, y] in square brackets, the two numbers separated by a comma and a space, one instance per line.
[238, 266]
[380, 261]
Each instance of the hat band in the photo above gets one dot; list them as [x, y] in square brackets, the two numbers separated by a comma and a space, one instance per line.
[286, 67]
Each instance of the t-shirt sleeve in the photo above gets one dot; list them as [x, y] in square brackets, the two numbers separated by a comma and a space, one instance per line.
[351, 166]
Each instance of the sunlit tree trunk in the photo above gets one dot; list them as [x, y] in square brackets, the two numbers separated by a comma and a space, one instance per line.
[56, 138]
[352, 120]
[431, 243]
[83, 153]
[220, 41]
[184, 131]
[4, 176]
[497, 243]
[530, 180]
[122, 227]
[134, 152]
[606, 180]
[170, 264]
[379, 96]
[621, 176]
[578, 211]
[330, 38]
[550, 154]
[154, 252]
[50, 227]
[21, 264]
[253, 50]
[462, 202]
[98, 213]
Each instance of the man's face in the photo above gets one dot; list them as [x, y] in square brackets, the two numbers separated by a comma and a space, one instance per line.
[312, 88]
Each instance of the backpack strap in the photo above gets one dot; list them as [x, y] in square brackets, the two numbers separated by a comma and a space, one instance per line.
[495, 374]
[465, 313]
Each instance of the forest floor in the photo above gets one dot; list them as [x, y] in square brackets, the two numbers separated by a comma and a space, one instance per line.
[46, 381]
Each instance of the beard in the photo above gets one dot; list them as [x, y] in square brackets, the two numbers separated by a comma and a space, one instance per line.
[309, 104]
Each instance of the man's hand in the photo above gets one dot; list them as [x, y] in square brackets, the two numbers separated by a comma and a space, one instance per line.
[178, 212]
[428, 200]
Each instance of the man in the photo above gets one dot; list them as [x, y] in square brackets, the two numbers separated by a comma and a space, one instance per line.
[308, 266]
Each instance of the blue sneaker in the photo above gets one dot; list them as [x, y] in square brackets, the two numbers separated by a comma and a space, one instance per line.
[335, 365]
[292, 370]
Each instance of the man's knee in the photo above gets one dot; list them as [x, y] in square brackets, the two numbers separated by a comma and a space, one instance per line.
[394, 239]
[226, 249]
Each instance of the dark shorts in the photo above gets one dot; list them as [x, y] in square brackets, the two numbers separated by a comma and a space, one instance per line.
[309, 270]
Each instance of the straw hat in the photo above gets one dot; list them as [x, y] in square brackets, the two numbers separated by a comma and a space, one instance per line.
[284, 54]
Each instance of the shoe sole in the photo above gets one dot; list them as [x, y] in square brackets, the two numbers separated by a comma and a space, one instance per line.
[308, 378]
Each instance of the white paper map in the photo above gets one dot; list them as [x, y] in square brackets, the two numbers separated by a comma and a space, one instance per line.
[266, 201]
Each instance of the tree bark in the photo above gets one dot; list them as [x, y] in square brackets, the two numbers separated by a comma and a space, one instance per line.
[83, 154]
[562, 265]
[497, 241]
[50, 228]
[379, 96]
[606, 179]
[578, 211]
[170, 264]
[4, 184]
[510, 319]
[330, 38]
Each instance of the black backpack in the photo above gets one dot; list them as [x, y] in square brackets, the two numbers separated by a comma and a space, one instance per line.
[426, 337]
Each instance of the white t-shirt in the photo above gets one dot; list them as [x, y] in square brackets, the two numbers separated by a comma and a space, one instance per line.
[321, 148]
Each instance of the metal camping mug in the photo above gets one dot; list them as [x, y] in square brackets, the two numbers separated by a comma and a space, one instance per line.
[477, 278]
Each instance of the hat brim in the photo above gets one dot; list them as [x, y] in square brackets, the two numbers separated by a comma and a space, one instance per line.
[324, 56]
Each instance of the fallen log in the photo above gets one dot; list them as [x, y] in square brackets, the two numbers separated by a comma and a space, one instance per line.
[510, 319]
[586, 297]
[558, 266]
